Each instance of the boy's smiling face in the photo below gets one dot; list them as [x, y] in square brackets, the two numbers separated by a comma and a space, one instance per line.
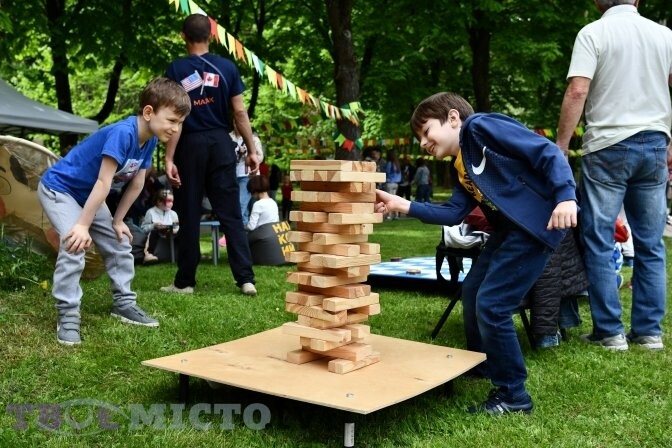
[441, 140]
[163, 122]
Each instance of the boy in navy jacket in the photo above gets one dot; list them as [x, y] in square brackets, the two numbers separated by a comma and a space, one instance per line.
[525, 186]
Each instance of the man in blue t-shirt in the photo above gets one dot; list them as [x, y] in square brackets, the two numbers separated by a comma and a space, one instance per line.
[202, 162]
[73, 192]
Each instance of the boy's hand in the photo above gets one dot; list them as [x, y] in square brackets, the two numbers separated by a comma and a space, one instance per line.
[172, 174]
[77, 239]
[386, 203]
[564, 216]
[121, 229]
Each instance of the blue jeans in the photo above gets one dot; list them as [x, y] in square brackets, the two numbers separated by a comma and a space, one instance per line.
[245, 197]
[509, 265]
[632, 172]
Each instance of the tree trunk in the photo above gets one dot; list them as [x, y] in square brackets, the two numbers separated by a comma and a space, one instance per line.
[55, 11]
[346, 71]
[479, 41]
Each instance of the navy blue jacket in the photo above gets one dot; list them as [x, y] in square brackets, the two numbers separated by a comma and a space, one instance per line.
[522, 173]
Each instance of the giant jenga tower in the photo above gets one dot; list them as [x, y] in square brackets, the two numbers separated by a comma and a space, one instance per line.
[333, 222]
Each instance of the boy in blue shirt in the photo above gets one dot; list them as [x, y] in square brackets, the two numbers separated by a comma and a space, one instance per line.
[526, 189]
[73, 191]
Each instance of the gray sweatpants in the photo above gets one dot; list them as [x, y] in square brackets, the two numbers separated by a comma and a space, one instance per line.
[63, 212]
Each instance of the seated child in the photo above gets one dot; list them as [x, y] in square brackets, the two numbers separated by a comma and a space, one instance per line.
[265, 209]
[160, 221]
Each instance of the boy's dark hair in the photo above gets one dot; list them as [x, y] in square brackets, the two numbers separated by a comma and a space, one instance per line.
[257, 184]
[196, 28]
[163, 92]
[437, 106]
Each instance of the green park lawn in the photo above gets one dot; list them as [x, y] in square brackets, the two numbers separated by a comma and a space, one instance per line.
[584, 396]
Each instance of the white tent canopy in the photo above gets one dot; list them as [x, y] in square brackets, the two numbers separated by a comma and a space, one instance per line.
[19, 113]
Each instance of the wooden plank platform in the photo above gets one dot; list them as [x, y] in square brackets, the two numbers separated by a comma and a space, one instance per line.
[257, 363]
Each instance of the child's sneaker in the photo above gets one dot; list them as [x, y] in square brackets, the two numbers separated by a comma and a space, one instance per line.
[650, 342]
[617, 342]
[248, 289]
[173, 288]
[498, 404]
[134, 315]
[67, 329]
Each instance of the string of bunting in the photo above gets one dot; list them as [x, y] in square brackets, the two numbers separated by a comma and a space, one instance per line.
[277, 80]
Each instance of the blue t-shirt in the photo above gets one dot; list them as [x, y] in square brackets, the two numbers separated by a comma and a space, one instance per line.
[77, 172]
[210, 85]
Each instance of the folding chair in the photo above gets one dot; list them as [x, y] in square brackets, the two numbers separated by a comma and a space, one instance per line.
[454, 256]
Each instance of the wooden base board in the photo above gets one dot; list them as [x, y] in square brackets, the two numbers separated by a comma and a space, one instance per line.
[258, 363]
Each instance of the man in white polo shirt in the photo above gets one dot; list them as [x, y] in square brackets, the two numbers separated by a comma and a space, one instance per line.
[620, 71]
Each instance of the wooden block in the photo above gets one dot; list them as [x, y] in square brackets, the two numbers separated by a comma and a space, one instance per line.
[336, 176]
[353, 352]
[335, 335]
[332, 165]
[350, 272]
[350, 291]
[342, 366]
[345, 207]
[326, 281]
[297, 257]
[323, 346]
[337, 261]
[342, 187]
[330, 197]
[316, 323]
[300, 216]
[335, 304]
[300, 237]
[334, 238]
[302, 298]
[358, 331]
[302, 356]
[348, 229]
[366, 248]
[316, 312]
[351, 218]
[346, 250]
[300, 278]
[369, 310]
[355, 318]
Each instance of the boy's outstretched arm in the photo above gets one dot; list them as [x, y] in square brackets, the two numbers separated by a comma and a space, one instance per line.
[78, 238]
[563, 216]
[131, 193]
[386, 203]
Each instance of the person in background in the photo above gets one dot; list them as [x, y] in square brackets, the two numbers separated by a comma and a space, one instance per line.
[201, 161]
[421, 181]
[242, 172]
[392, 176]
[264, 209]
[160, 221]
[72, 193]
[620, 73]
[286, 189]
[274, 179]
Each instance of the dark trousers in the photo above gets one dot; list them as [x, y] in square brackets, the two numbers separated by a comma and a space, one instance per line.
[206, 163]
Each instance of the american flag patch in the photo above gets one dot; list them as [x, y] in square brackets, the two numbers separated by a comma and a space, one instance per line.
[192, 81]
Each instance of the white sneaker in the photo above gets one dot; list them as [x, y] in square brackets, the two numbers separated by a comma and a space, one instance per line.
[248, 289]
[150, 258]
[173, 288]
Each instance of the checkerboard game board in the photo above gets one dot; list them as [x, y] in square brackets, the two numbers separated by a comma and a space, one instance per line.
[427, 266]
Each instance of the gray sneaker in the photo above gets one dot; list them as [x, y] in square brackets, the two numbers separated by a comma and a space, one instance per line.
[617, 342]
[248, 289]
[650, 342]
[67, 329]
[134, 315]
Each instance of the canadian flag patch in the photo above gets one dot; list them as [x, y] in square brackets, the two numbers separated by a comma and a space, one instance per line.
[210, 79]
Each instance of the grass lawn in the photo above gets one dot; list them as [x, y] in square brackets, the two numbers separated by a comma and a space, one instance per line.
[584, 396]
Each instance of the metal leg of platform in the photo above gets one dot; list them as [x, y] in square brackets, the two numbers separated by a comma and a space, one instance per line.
[184, 388]
[349, 430]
